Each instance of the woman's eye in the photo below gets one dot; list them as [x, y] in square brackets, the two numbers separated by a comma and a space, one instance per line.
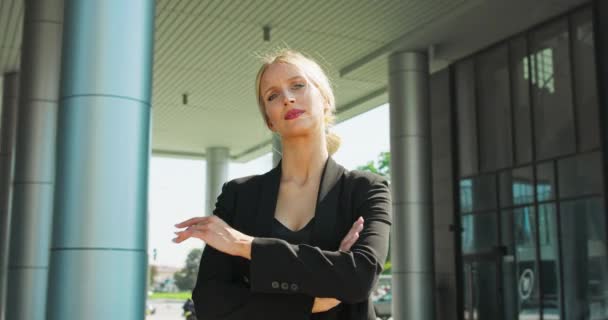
[272, 96]
[298, 85]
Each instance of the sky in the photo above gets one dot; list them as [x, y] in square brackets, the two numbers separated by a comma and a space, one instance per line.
[177, 186]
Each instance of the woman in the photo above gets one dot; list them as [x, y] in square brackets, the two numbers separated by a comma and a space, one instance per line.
[306, 240]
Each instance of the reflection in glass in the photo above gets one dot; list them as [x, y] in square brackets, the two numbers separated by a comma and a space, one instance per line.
[479, 232]
[583, 234]
[580, 175]
[545, 181]
[549, 256]
[478, 193]
[526, 285]
[585, 86]
[520, 88]
[494, 108]
[480, 290]
[549, 70]
[516, 187]
[466, 117]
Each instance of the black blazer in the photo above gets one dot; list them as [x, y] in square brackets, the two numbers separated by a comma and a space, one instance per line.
[281, 280]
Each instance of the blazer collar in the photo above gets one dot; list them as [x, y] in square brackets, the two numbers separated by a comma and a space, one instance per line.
[325, 211]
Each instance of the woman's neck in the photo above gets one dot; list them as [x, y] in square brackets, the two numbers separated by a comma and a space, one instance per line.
[303, 159]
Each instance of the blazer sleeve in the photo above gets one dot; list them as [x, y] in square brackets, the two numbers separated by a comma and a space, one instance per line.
[347, 276]
[217, 295]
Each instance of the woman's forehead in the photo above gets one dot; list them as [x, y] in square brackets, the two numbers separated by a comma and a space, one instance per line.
[280, 71]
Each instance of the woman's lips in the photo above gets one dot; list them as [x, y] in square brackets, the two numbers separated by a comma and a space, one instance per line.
[293, 113]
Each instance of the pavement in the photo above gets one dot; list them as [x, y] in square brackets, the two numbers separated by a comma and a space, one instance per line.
[166, 310]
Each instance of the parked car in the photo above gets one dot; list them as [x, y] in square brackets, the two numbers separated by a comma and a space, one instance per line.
[382, 296]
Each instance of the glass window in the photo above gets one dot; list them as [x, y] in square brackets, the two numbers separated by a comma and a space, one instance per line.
[478, 193]
[494, 107]
[479, 232]
[527, 271]
[520, 90]
[585, 265]
[467, 123]
[545, 182]
[585, 85]
[516, 187]
[480, 283]
[549, 63]
[580, 175]
[549, 257]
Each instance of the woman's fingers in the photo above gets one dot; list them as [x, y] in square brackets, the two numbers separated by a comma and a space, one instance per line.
[352, 235]
[190, 222]
[197, 231]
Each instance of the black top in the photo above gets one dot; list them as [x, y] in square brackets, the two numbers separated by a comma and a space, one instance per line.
[282, 279]
[301, 236]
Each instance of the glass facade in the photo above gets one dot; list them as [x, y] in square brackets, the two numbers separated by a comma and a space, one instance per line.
[530, 176]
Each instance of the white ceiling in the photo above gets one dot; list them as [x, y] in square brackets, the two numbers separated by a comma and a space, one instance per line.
[208, 50]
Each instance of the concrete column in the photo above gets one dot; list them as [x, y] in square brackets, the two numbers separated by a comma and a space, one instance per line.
[98, 255]
[412, 235]
[34, 173]
[7, 157]
[217, 174]
[277, 149]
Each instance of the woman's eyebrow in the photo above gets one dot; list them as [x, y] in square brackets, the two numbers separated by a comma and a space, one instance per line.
[290, 79]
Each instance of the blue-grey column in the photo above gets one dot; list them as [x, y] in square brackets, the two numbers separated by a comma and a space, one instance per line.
[34, 175]
[7, 157]
[98, 255]
[277, 149]
[217, 174]
[411, 184]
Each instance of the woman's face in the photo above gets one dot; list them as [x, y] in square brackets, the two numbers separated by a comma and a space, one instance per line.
[293, 104]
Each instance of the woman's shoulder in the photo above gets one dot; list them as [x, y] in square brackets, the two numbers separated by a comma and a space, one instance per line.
[365, 178]
[250, 181]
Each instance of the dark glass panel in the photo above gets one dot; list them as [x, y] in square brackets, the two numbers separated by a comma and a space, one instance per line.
[494, 107]
[479, 232]
[580, 175]
[478, 193]
[585, 84]
[516, 187]
[552, 90]
[545, 181]
[526, 269]
[467, 123]
[520, 90]
[583, 237]
[480, 282]
[549, 257]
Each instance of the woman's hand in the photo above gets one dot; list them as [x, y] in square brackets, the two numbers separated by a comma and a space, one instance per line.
[216, 233]
[325, 304]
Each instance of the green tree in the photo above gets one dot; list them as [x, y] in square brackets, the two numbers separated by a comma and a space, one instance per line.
[381, 166]
[185, 279]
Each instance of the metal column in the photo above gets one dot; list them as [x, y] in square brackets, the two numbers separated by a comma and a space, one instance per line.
[7, 157]
[34, 171]
[412, 235]
[217, 174]
[98, 255]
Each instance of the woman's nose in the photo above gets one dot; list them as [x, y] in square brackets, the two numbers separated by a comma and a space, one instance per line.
[289, 99]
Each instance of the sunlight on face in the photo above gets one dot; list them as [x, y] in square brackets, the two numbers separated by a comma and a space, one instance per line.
[293, 104]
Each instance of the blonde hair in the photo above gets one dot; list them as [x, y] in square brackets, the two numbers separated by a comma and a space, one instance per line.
[316, 75]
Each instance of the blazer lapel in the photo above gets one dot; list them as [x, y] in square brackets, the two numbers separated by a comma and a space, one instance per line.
[324, 228]
[326, 210]
[268, 201]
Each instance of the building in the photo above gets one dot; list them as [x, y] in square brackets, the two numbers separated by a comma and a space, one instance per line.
[498, 126]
